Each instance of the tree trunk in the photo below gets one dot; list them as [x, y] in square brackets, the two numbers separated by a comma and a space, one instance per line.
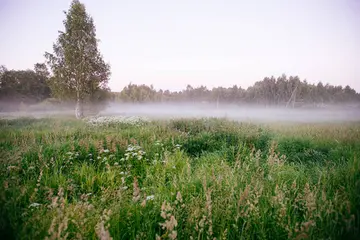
[79, 111]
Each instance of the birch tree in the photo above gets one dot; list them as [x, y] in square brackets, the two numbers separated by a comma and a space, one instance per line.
[78, 70]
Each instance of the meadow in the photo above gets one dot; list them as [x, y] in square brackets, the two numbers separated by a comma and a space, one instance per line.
[207, 178]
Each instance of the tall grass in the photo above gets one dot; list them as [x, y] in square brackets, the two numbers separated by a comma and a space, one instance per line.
[178, 179]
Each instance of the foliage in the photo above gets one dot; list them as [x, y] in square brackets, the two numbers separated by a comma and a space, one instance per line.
[78, 69]
[27, 86]
[178, 179]
[269, 91]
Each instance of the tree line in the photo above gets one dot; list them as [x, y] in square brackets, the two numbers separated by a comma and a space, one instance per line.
[23, 86]
[280, 91]
[34, 86]
[76, 72]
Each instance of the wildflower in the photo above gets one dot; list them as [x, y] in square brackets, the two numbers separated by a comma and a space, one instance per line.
[178, 198]
[102, 120]
[143, 204]
[173, 234]
[106, 150]
[170, 221]
[101, 230]
[34, 205]
[151, 197]
[136, 193]
[12, 168]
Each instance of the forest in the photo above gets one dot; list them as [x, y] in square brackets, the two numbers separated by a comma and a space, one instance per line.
[20, 88]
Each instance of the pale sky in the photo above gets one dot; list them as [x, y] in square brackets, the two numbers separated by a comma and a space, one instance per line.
[171, 43]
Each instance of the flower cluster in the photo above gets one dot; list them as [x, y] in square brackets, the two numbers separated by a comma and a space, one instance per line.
[134, 157]
[106, 120]
[104, 156]
[134, 152]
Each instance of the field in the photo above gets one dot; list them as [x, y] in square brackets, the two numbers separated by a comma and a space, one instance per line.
[178, 179]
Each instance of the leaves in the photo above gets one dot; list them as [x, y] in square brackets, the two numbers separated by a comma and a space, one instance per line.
[78, 69]
[28, 86]
[269, 91]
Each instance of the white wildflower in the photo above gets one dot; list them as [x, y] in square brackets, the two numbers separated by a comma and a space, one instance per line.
[34, 205]
[151, 197]
[106, 120]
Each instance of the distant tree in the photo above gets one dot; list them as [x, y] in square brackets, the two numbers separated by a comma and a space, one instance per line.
[41, 70]
[78, 69]
[280, 91]
[2, 70]
[22, 86]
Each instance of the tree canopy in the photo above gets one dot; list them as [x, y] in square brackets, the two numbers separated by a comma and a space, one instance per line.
[270, 91]
[78, 70]
[22, 86]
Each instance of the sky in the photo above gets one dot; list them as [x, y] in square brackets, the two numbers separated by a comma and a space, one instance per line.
[170, 44]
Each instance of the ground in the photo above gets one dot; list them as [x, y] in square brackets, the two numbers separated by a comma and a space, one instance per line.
[131, 178]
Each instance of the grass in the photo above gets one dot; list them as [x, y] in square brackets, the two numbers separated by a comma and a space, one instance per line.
[178, 179]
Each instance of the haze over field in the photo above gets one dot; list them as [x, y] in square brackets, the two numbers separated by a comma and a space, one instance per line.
[214, 43]
[242, 113]
[283, 53]
[228, 111]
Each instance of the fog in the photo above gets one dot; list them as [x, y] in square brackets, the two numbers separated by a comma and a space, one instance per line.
[249, 113]
[238, 113]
